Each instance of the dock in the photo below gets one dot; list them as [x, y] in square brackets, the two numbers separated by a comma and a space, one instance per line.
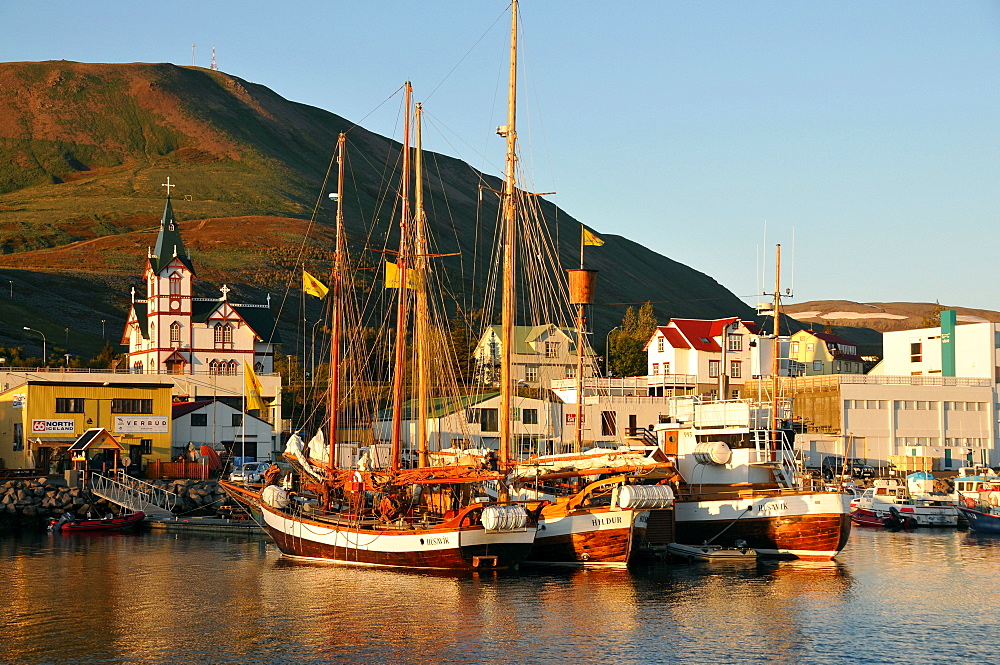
[206, 525]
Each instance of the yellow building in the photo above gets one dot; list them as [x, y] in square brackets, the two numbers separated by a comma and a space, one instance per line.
[40, 418]
[825, 353]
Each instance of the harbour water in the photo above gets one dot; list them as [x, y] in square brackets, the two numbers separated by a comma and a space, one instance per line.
[922, 597]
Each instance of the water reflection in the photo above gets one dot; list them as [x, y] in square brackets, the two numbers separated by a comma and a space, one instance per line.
[163, 598]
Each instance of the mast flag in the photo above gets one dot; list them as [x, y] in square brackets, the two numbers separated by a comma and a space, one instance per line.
[252, 387]
[392, 277]
[312, 286]
[590, 239]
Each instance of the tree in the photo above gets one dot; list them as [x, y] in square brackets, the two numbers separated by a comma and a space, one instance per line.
[625, 344]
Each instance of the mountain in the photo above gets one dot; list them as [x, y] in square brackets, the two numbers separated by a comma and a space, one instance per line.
[881, 316]
[85, 147]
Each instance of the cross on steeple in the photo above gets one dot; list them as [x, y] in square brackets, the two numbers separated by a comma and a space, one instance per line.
[225, 292]
[168, 186]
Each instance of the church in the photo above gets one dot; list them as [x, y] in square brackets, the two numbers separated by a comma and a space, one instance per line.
[172, 332]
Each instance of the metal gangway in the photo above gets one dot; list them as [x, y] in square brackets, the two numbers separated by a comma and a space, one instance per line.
[134, 494]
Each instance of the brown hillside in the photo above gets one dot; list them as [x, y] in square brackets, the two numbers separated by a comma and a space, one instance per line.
[881, 316]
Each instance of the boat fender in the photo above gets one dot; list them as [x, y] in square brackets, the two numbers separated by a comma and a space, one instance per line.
[504, 518]
[645, 497]
[970, 502]
[713, 452]
[274, 496]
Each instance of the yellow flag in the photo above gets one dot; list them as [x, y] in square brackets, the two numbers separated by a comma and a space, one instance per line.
[313, 286]
[252, 387]
[590, 239]
[392, 277]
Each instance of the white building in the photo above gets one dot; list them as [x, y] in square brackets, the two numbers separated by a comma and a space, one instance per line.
[918, 352]
[216, 424]
[204, 342]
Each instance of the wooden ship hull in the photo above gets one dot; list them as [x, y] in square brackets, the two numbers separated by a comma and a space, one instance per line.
[599, 536]
[459, 544]
[778, 524]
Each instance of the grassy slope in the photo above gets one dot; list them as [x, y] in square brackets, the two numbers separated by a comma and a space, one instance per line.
[85, 147]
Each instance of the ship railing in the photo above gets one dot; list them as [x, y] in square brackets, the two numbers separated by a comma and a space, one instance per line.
[133, 493]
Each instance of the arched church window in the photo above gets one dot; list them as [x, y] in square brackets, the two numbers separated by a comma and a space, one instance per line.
[213, 367]
[218, 334]
[231, 368]
[227, 334]
[175, 332]
[175, 284]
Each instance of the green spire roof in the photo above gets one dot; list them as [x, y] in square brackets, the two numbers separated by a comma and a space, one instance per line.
[168, 242]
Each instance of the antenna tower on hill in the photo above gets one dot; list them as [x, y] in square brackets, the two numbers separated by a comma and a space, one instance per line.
[214, 66]
[192, 54]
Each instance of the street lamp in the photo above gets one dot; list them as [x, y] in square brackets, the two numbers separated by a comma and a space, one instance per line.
[607, 351]
[44, 342]
[103, 336]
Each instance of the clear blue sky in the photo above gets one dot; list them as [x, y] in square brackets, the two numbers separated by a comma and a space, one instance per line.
[871, 128]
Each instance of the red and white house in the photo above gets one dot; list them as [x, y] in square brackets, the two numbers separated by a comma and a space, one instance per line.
[705, 357]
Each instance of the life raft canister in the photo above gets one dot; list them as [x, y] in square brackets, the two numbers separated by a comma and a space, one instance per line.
[357, 482]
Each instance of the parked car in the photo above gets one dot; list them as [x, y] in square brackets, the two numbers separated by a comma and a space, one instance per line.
[251, 472]
[855, 468]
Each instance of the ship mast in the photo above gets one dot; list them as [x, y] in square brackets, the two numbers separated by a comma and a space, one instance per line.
[509, 255]
[422, 322]
[776, 346]
[336, 306]
[401, 304]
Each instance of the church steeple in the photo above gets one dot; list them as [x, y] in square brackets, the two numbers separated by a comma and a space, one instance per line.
[168, 241]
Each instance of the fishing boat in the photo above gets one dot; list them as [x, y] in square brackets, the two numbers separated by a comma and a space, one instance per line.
[429, 517]
[582, 520]
[982, 519]
[71, 524]
[887, 494]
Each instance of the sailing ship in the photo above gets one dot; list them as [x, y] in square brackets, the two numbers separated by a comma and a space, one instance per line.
[579, 522]
[429, 517]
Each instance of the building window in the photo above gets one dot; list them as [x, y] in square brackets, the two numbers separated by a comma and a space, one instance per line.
[551, 349]
[736, 369]
[488, 420]
[713, 368]
[223, 336]
[817, 365]
[146, 446]
[735, 343]
[152, 332]
[69, 404]
[810, 348]
[175, 284]
[129, 405]
[231, 368]
[531, 373]
[916, 354]
[609, 423]
[659, 345]
[666, 368]
[570, 371]
[656, 368]
[529, 416]
[213, 367]
[237, 420]
[175, 332]
[258, 367]
[199, 420]
[795, 347]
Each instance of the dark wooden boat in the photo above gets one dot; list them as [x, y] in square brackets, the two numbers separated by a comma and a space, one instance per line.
[126, 521]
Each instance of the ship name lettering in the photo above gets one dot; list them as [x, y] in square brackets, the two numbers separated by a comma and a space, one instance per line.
[598, 521]
[438, 541]
[772, 506]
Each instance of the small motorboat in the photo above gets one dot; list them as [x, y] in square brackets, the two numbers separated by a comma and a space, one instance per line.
[68, 523]
[890, 519]
[710, 552]
[982, 520]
